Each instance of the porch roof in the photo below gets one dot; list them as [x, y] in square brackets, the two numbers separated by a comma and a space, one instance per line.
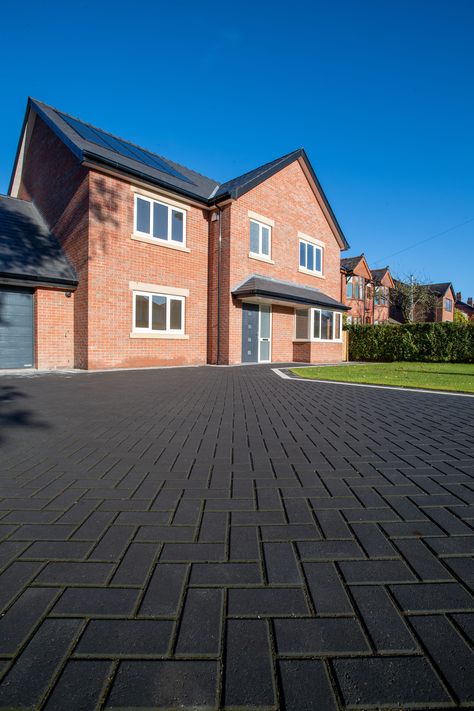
[286, 291]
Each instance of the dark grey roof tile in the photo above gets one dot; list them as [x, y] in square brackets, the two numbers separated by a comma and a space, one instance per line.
[28, 250]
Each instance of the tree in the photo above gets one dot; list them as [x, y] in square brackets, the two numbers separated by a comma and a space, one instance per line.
[459, 317]
[413, 299]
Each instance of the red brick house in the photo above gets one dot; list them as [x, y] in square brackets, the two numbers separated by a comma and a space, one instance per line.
[355, 292]
[382, 283]
[166, 266]
[365, 291]
[445, 299]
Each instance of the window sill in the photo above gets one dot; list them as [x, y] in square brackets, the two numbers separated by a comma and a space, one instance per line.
[260, 258]
[168, 336]
[313, 274]
[158, 242]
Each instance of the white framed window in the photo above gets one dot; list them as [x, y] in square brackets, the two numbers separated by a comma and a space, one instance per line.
[448, 304]
[318, 325]
[156, 219]
[260, 239]
[158, 313]
[311, 257]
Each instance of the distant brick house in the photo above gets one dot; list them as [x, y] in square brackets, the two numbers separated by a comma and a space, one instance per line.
[159, 265]
[444, 306]
[365, 291]
[441, 307]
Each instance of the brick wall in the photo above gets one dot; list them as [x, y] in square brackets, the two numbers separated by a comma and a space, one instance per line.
[311, 352]
[55, 181]
[54, 329]
[115, 259]
[288, 199]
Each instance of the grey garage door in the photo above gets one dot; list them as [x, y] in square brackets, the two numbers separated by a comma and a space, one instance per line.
[16, 328]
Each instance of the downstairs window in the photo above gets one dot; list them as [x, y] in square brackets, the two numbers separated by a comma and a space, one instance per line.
[158, 313]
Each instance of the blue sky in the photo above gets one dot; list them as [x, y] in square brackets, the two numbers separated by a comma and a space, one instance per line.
[379, 92]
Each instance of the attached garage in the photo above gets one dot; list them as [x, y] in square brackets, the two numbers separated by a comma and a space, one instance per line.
[16, 328]
[36, 320]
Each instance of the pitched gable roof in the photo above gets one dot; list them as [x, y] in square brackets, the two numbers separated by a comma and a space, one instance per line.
[92, 144]
[356, 265]
[379, 275]
[441, 288]
[350, 263]
[28, 250]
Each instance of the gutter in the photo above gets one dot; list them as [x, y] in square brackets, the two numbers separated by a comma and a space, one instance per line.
[34, 281]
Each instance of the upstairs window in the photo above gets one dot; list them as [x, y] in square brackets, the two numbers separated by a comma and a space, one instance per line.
[448, 304]
[260, 239]
[160, 221]
[381, 294]
[155, 313]
[355, 287]
[311, 258]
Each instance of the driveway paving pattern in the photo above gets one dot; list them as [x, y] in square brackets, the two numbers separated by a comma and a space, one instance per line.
[223, 538]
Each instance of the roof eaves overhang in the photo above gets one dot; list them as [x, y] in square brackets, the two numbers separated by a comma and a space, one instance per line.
[91, 160]
[37, 281]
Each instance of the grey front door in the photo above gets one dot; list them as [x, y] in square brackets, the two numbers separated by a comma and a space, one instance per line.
[16, 328]
[250, 314]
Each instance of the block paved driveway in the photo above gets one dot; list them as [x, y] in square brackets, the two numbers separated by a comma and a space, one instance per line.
[219, 537]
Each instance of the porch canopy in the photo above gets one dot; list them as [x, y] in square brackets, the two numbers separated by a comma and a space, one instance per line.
[268, 290]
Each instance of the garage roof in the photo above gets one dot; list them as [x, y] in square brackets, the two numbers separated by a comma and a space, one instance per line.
[28, 250]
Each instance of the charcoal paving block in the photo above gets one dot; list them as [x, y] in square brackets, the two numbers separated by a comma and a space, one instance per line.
[164, 684]
[125, 638]
[389, 682]
[305, 685]
[89, 602]
[248, 675]
[323, 636]
[200, 629]
[432, 597]
[266, 602]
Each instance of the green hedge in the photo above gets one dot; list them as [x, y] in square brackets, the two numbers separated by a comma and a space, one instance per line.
[435, 342]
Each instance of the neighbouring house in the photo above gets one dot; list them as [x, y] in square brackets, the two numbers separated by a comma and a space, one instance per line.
[382, 283]
[465, 307]
[365, 291]
[443, 309]
[152, 263]
[440, 307]
[355, 291]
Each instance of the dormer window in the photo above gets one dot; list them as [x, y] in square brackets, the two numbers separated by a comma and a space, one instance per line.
[160, 221]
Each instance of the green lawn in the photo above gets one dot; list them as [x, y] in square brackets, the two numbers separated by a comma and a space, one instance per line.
[458, 377]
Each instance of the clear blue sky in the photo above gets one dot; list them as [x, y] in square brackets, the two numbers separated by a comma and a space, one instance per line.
[379, 92]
